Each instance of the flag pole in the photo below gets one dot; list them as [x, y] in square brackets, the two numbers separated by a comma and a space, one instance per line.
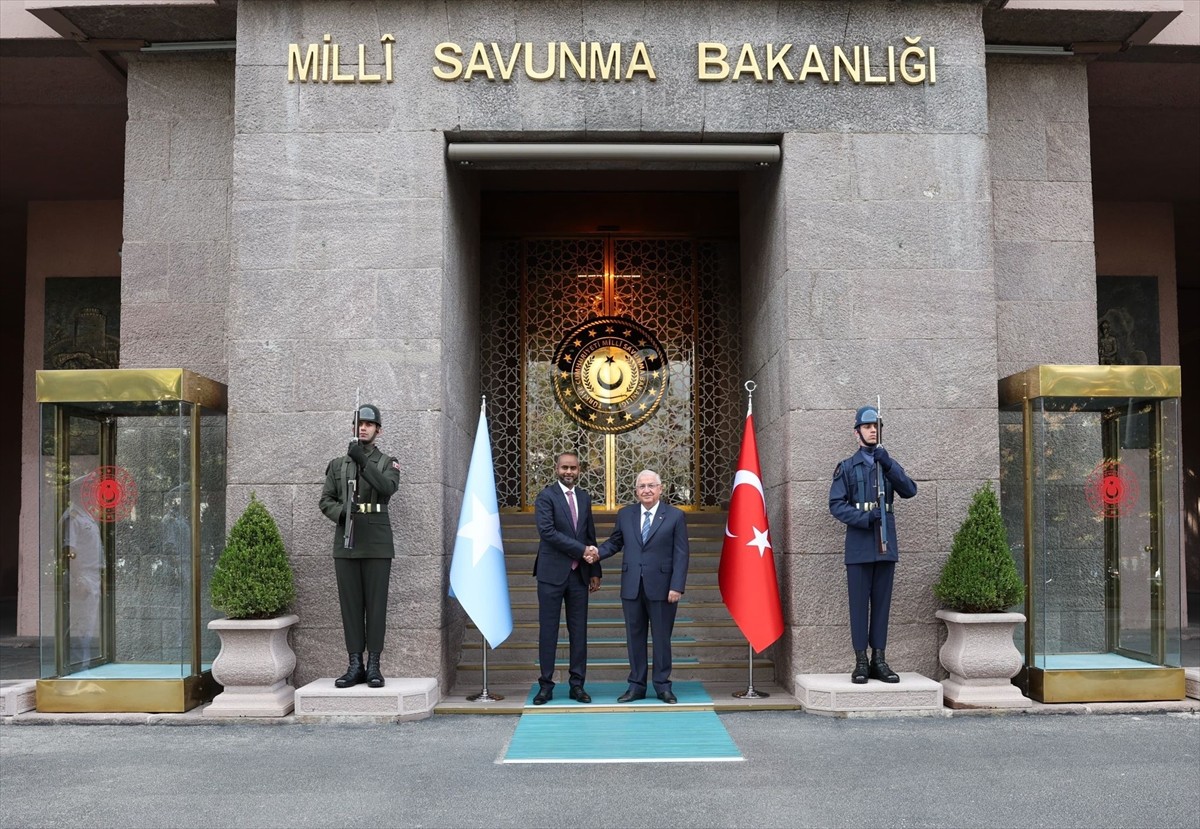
[750, 693]
[484, 694]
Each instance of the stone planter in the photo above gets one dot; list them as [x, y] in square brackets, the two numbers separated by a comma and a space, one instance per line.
[981, 658]
[254, 665]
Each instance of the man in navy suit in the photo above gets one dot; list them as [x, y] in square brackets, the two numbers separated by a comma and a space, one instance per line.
[564, 522]
[653, 535]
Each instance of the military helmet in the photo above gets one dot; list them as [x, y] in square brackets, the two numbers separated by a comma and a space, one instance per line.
[867, 414]
[370, 414]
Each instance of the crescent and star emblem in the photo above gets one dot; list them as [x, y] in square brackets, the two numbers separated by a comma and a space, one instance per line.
[610, 374]
[607, 369]
[761, 540]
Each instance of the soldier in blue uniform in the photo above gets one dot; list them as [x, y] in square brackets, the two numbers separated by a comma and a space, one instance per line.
[854, 500]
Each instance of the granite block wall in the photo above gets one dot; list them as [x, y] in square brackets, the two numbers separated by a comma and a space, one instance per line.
[175, 255]
[1041, 186]
[352, 260]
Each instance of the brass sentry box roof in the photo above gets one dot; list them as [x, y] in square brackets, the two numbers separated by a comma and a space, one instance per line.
[131, 385]
[1090, 382]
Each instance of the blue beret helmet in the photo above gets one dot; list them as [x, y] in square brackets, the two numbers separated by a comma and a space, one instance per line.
[867, 414]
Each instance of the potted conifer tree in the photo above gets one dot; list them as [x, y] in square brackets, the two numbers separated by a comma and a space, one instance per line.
[979, 582]
[252, 584]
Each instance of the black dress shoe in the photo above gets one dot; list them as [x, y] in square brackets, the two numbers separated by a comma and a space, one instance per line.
[631, 695]
[667, 697]
[544, 695]
[580, 695]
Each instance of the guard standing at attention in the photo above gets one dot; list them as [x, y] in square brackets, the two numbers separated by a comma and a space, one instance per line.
[871, 555]
[363, 566]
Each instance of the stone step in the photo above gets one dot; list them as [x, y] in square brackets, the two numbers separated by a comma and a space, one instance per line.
[470, 674]
[615, 626]
[695, 518]
[707, 645]
[836, 695]
[598, 609]
[681, 645]
[399, 700]
[706, 547]
[17, 696]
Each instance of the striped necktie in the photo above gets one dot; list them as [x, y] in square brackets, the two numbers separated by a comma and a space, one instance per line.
[645, 526]
[574, 520]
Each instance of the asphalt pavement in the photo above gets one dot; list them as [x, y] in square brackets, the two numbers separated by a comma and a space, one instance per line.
[800, 770]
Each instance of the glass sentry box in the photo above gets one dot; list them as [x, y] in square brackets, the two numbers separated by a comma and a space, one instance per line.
[132, 519]
[1090, 482]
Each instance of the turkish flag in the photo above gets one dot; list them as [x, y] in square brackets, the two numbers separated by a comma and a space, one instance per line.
[747, 572]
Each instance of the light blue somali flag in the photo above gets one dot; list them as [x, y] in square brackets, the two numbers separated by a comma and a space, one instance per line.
[478, 578]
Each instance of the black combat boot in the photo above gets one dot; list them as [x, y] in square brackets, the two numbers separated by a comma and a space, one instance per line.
[374, 677]
[354, 674]
[880, 669]
[861, 668]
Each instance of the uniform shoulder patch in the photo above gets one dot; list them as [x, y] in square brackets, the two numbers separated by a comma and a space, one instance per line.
[395, 464]
[837, 470]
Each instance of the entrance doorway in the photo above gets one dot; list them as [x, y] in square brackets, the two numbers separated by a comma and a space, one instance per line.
[651, 275]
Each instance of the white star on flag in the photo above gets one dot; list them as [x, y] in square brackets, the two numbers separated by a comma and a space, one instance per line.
[478, 577]
[760, 541]
[483, 530]
[749, 586]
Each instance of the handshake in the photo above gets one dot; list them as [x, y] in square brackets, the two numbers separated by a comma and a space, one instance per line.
[591, 554]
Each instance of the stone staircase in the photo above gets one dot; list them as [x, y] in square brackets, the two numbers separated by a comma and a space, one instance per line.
[707, 645]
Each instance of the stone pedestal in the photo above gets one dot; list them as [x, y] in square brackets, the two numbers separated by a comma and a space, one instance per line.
[1191, 682]
[254, 665]
[836, 694]
[399, 700]
[18, 696]
[981, 659]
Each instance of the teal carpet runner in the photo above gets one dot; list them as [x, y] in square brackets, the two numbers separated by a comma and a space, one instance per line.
[645, 731]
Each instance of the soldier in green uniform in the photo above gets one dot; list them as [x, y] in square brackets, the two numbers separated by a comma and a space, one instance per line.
[363, 570]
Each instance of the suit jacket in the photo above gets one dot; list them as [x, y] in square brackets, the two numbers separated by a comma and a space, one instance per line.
[662, 563]
[560, 543]
[377, 483]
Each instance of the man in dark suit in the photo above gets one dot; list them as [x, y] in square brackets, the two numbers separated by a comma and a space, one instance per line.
[653, 535]
[563, 513]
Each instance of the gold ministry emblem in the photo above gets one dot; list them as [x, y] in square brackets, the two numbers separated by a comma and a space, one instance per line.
[610, 374]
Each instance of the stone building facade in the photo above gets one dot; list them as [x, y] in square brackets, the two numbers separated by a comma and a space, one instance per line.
[298, 238]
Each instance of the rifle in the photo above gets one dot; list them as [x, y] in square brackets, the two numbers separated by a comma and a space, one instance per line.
[881, 489]
[350, 497]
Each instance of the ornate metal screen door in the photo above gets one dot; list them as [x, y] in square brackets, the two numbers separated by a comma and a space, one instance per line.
[683, 290]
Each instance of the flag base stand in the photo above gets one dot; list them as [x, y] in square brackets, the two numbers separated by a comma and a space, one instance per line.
[484, 694]
[750, 693]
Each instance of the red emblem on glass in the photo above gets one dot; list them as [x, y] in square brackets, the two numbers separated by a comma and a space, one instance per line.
[109, 493]
[1111, 488]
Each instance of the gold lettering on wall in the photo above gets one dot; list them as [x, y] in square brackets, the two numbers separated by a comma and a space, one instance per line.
[835, 64]
[322, 62]
[587, 61]
[593, 61]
